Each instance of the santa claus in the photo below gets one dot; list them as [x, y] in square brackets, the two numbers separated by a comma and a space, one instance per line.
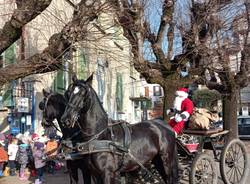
[183, 108]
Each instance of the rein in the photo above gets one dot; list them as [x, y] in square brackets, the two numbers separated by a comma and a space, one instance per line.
[96, 136]
[51, 123]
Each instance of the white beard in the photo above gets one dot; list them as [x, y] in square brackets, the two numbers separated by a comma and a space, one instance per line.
[178, 101]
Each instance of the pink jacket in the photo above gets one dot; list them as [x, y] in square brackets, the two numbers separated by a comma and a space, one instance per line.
[38, 155]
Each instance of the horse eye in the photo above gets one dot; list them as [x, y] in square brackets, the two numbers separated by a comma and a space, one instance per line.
[76, 90]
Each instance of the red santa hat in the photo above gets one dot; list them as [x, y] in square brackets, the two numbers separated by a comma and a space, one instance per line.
[183, 92]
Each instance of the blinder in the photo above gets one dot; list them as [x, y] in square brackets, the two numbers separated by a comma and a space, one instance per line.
[80, 103]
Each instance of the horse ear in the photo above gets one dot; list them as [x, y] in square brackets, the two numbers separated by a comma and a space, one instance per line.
[45, 93]
[90, 79]
[74, 78]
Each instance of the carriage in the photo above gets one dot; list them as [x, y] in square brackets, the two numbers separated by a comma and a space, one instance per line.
[199, 159]
[116, 147]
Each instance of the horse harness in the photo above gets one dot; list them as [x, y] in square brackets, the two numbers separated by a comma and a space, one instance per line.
[99, 146]
[94, 145]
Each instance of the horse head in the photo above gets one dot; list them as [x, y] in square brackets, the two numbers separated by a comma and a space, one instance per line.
[79, 98]
[53, 106]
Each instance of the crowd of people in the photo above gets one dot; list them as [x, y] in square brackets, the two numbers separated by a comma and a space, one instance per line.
[26, 155]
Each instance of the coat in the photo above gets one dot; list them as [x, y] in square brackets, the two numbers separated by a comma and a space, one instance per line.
[38, 155]
[12, 151]
[3, 155]
[51, 148]
[23, 154]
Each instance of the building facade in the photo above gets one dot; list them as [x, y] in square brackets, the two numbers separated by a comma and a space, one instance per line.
[107, 57]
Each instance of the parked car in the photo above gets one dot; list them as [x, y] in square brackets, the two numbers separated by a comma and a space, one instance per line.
[244, 126]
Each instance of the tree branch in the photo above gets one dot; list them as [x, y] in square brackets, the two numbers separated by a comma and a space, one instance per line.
[25, 12]
[50, 58]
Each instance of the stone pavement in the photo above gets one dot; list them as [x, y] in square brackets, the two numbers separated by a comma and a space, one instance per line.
[61, 178]
[58, 178]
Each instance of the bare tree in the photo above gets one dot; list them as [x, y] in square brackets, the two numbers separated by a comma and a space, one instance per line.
[207, 46]
[183, 36]
[24, 13]
[59, 43]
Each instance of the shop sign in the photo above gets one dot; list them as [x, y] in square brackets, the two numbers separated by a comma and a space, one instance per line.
[23, 104]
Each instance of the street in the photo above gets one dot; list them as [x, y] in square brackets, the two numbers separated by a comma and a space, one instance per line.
[61, 178]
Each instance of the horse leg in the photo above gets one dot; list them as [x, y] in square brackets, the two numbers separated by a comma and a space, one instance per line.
[107, 165]
[111, 177]
[158, 163]
[73, 172]
[169, 163]
[68, 165]
[86, 175]
[75, 176]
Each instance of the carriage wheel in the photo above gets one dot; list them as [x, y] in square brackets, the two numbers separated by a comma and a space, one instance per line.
[203, 170]
[234, 162]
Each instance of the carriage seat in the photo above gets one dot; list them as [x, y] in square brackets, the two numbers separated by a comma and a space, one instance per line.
[202, 132]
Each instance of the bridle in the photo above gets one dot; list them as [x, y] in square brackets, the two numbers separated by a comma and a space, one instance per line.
[45, 101]
[83, 100]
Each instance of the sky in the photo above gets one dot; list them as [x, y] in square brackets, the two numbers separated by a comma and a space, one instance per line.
[153, 13]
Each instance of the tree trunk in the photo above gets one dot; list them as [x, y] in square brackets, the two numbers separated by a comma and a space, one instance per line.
[169, 95]
[230, 114]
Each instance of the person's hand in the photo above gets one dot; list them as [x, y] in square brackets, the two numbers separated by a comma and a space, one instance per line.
[168, 111]
[183, 116]
[178, 118]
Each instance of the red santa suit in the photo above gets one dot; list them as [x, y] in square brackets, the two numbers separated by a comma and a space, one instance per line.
[184, 108]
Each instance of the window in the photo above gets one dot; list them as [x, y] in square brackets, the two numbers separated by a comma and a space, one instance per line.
[59, 84]
[157, 91]
[246, 121]
[100, 76]
[82, 65]
[146, 91]
[9, 58]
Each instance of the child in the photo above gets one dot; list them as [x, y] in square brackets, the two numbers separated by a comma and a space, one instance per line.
[3, 157]
[22, 158]
[12, 152]
[38, 154]
[51, 151]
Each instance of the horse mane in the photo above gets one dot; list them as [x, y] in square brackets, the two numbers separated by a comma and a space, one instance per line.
[59, 98]
[95, 95]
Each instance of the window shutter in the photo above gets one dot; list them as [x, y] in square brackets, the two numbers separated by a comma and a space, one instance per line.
[9, 58]
[82, 64]
[119, 92]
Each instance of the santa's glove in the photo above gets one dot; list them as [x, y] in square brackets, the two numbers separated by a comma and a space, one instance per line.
[171, 110]
[183, 116]
[178, 118]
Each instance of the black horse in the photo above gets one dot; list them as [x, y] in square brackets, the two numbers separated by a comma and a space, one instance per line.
[53, 106]
[151, 141]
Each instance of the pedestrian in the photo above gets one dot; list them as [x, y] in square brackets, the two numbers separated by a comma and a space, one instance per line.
[38, 155]
[12, 152]
[3, 157]
[23, 158]
[51, 151]
[34, 138]
[183, 108]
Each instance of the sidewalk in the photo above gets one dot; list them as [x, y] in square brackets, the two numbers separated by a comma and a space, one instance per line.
[61, 178]
[58, 178]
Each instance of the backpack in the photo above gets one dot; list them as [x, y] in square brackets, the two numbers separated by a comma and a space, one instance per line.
[202, 119]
